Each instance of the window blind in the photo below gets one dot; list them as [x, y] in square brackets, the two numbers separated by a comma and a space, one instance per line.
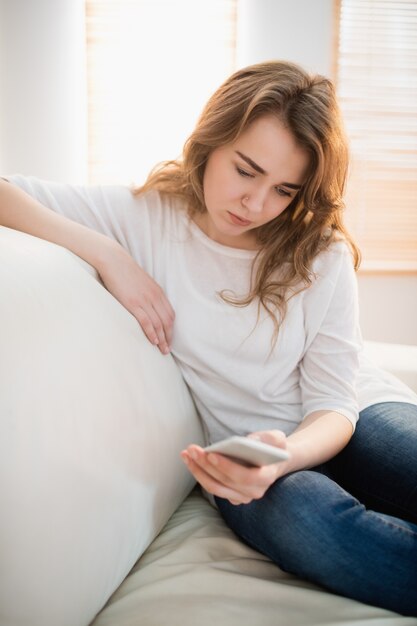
[151, 65]
[377, 88]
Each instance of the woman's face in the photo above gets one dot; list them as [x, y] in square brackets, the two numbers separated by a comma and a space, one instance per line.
[250, 182]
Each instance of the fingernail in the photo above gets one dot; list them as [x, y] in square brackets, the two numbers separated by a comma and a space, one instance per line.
[213, 459]
[193, 455]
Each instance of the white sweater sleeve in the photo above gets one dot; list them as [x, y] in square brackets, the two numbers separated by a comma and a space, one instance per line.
[330, 363]
[109, 209]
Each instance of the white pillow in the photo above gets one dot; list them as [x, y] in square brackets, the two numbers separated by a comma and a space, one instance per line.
[93, 418]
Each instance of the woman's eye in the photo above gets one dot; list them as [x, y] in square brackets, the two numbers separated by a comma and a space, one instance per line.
[243, 172]
[282, 192]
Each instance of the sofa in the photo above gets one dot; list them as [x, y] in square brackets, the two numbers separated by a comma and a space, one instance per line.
[101, 524]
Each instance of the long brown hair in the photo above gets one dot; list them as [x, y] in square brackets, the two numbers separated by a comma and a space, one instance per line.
[307, 105]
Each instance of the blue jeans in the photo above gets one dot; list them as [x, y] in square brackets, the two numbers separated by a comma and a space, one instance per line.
[349, 525]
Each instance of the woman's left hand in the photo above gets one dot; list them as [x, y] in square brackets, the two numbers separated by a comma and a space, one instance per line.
[225, 478]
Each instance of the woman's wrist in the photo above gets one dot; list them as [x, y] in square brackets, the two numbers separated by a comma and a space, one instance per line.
[103, 253]
[299, 455]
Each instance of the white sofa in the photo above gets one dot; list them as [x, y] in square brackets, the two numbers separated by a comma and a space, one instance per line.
[100, 522]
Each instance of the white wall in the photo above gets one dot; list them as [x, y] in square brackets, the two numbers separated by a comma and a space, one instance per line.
[388, 305]
[302, 31]
[296, 30]
[43, 107]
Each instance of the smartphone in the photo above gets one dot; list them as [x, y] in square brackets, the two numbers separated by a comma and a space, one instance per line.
[249, 452]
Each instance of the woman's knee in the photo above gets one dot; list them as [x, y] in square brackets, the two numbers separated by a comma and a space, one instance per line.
[378, 466]
[288, 522]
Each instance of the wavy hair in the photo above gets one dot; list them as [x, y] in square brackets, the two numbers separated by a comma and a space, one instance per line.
[307, 105]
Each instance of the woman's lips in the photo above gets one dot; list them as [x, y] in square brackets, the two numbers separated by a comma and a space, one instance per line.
[239, 220]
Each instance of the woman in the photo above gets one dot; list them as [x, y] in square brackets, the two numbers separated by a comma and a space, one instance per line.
[243, 238]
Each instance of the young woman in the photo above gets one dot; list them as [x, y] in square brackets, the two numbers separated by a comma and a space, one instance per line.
[235, 258]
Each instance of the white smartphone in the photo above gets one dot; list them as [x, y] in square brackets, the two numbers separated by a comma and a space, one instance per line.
[250, 452]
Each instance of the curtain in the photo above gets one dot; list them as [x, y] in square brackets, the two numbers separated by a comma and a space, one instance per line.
[377, 87]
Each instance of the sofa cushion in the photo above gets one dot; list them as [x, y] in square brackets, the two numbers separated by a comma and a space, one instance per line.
[198, 573]
[93, 418]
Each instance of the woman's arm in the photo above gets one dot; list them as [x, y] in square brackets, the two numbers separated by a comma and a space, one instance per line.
[317, 439]
[121, 275]
[21, 212]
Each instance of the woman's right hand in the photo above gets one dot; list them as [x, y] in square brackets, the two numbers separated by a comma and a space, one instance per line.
[137, 291]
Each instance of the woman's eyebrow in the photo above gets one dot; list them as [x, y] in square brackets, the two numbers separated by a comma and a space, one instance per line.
[249, 161]
[260, 170]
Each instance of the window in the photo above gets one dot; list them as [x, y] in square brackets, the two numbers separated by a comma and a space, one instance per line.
[152, 64]
[377, 87]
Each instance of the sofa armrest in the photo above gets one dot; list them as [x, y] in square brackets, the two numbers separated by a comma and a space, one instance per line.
[93, 418]
[398, 359]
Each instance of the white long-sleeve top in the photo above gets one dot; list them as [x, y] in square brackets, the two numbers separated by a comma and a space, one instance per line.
[239, 385]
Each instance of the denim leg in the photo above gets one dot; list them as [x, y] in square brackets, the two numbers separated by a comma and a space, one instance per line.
[311, 527]
[379, 465]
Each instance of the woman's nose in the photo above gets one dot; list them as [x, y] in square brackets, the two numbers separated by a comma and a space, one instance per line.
[255, 201]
